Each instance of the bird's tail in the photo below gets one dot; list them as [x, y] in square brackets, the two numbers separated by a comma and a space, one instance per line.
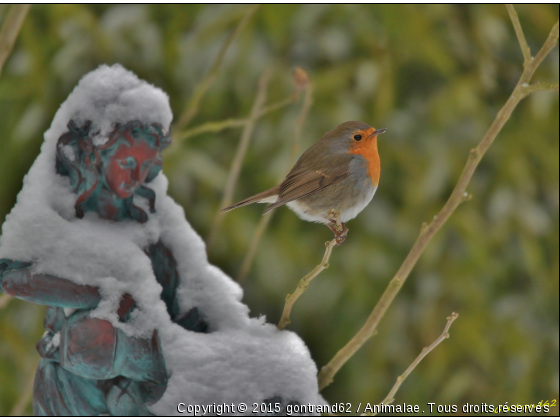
[260, 197]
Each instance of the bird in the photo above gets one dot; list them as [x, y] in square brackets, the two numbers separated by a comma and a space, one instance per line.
[332, 181]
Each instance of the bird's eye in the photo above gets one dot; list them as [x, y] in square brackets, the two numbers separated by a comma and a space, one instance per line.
[358, 137]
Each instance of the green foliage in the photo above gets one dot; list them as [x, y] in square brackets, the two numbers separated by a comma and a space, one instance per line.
[435, 76]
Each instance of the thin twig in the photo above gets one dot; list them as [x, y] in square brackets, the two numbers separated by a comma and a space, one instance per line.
[528, 89]
[10, 30]
[265, 220]
[307, 102]
[527, 58]
[192, 106]
[211, 127]
[280, 104]
[548, 45]
[237, 162]
[428, 231]
[4, 300]
[252, 251]
[303, 284]
[445, 334]
[27, 392]
[217, 126]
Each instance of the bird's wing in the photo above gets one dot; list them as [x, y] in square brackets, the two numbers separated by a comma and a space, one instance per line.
[253, 199]
[306, 180]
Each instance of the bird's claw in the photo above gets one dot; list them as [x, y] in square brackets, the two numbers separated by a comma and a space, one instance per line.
[340, 231]
[340, 239]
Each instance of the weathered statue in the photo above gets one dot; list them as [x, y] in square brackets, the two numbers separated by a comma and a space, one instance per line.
[94, 368]
[138, 321]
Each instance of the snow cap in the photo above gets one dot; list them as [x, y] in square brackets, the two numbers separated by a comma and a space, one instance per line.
[110, 95]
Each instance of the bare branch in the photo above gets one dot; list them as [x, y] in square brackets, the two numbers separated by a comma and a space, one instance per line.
[548, 45]
[538, 87]
[428, 231]
[211, 127]
[10, 30]
[303, 284]
[527, 58]
[235, 168]
[302, 80]
[192, 106]
[307, 102]
[280, 104]
[445, 334]
[253, 246]
[217, 126]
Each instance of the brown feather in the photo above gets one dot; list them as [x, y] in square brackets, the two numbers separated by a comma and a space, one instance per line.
[305, 180]
[253, 199]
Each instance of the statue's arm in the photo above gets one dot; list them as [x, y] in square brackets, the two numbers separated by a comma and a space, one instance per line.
[16, 279]
[95, 349]
[88, 347]
[167, 275]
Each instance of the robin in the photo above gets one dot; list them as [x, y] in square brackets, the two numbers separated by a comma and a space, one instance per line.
[333, 180]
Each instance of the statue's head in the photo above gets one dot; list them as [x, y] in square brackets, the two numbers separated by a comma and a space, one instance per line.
[107, 176]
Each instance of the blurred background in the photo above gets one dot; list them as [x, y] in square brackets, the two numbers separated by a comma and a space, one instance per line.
[435, 76]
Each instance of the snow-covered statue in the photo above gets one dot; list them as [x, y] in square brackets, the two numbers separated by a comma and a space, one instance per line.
[138, 322]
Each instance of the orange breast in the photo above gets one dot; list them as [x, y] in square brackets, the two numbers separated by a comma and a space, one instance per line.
[368, 150]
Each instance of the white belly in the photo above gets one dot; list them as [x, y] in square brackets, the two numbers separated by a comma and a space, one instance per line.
[311, 214]
[305, 213]
[353, 211]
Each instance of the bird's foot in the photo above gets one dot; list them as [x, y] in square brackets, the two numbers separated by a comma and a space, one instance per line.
[339, 235]
[338, 228]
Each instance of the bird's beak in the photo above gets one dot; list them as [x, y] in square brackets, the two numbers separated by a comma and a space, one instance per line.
[378, 132]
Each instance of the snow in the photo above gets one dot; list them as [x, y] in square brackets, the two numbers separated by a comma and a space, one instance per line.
[69, 311]
[56, 340]
[240, 359]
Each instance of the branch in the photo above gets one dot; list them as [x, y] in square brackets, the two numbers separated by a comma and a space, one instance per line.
[217, 126]
[527, 58]
[301, 82]
[445, 334]
[10, 30]
[253, 246]
[428, 231]
[211, 127]
[301, 79]
[235, 168]
[303, 284]
[192, 106]
[280, 104]
[527, 89]
[548, 45]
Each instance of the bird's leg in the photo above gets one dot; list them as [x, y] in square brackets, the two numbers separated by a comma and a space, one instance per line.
[338, 228]
[340, 235]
